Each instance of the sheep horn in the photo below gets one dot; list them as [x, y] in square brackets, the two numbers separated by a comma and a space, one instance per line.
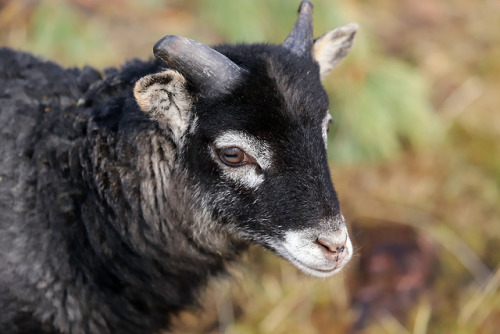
[300, 39]
[207, 70]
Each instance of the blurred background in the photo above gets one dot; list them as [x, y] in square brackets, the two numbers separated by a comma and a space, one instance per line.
[414, 152]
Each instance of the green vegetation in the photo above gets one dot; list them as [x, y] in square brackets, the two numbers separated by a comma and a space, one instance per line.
[415, 142]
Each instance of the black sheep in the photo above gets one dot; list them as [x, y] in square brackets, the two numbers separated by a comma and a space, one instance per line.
[121, 195]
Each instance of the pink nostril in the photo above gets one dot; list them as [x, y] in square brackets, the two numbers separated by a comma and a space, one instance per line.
[332, 250]
[330, 245]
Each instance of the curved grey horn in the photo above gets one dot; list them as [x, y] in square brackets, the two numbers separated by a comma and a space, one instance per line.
[300, 39]
[207, 70]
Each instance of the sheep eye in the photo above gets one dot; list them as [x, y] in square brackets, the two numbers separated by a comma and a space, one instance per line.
[233, 156]
[330, 122]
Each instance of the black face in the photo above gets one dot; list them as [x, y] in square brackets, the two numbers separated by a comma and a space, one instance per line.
[280, 108]
[249, 125]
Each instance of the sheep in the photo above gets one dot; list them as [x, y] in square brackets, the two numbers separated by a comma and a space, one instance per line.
[122, 194]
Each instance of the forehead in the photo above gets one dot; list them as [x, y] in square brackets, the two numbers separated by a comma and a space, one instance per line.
[280, 93]
[298, 82]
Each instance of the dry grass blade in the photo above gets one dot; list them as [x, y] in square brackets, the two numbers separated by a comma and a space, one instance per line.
[434, 228]
[280, 312]
[470, 308]
[391, 325]
[422, 317]
[461, 250]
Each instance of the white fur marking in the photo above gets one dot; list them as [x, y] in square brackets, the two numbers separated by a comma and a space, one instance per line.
[301, 250]
[246, 174]
[326, 121]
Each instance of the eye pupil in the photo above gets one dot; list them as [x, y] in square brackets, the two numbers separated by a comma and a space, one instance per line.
[232, 156]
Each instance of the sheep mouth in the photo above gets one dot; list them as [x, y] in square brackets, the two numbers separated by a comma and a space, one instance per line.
[320, 271]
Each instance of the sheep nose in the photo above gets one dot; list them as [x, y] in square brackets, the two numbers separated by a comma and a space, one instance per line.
[333, 250]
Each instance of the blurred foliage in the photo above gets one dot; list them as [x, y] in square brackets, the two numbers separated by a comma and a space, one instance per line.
[415, 142]
[382, 114]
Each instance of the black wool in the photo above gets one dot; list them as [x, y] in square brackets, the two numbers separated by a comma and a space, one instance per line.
[116, 206]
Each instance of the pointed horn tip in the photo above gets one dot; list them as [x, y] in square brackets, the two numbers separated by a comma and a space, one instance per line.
[304, 5]
[169, 42]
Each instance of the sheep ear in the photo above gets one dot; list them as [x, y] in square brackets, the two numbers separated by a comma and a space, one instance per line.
[333, 46]
[164, 96]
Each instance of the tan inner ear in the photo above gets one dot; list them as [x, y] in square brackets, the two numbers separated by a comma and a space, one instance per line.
[155, 92]
[333, 46]
[165, 97]
[323, 56]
